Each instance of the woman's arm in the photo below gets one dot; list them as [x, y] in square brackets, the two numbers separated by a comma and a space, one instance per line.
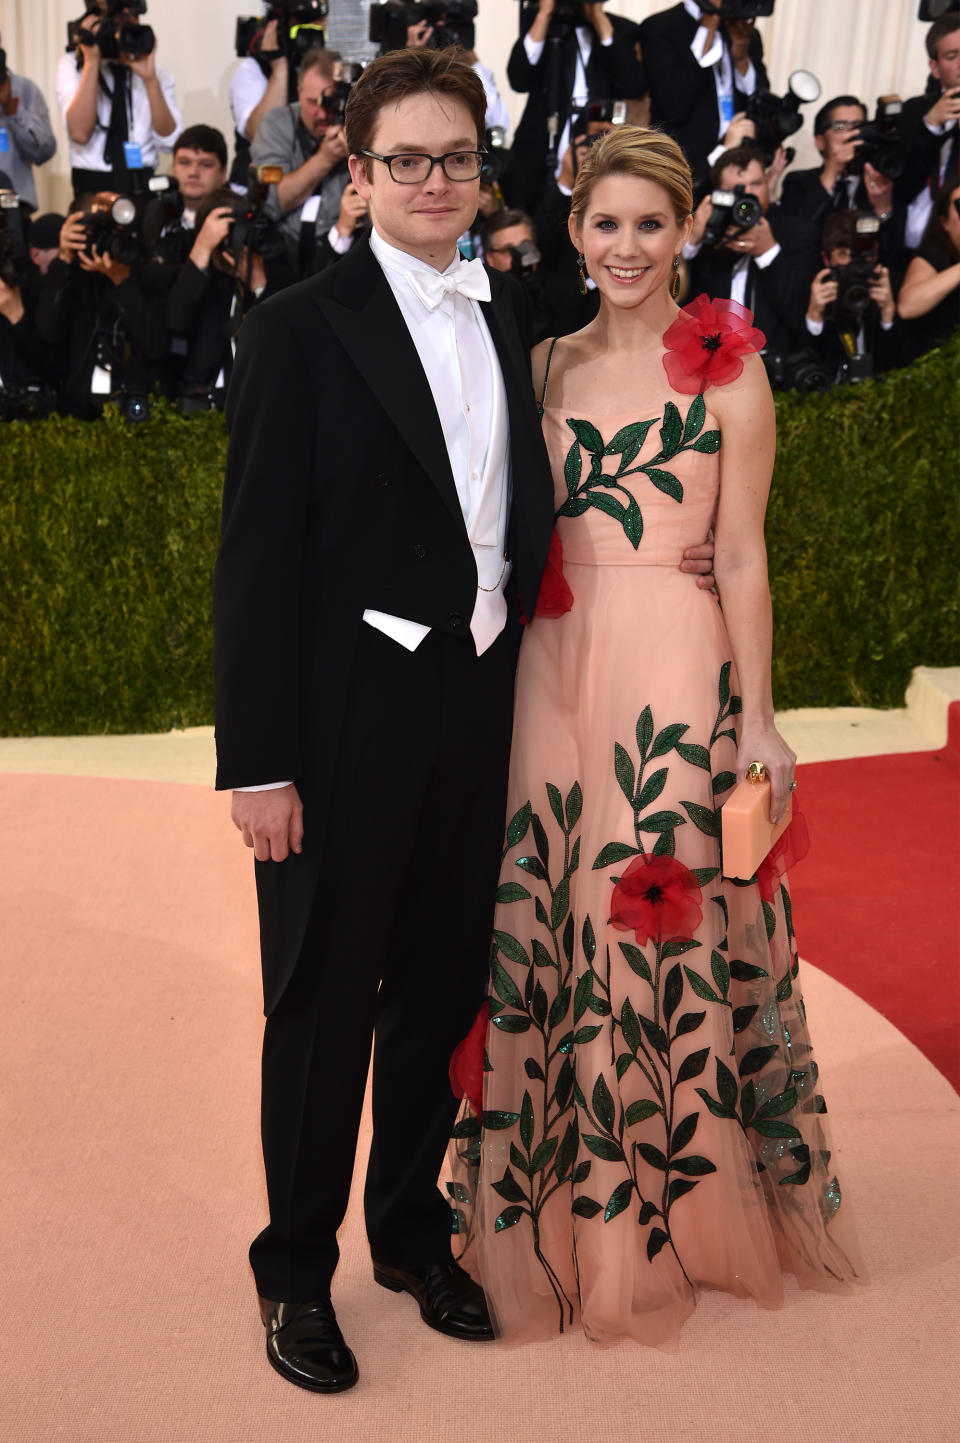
[748, 446]
[924, 288]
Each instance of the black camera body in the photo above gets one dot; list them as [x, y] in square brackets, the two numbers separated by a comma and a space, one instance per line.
[452, 23]
[496, 156]
[738, 9]
[346, 73]
[111, 230]
[300, 27]
[855, 279]
[796, 371]
[883, 145]
[30, 402]
[734, 209]
[14, 254]
[115, 37]
[775, 117]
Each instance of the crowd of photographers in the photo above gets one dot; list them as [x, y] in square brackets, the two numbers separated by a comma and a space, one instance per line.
[142, 287]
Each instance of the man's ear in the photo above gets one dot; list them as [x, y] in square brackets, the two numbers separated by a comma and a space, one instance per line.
[935, 69]
[358, 174]
[820, 141]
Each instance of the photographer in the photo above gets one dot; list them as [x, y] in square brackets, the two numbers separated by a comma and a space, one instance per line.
[315, 205]
[259, 85]
[105, 314]
[766, 264]
[118, 112]
[557, 307]
[412, 25]
[841, 183]
[26, 136]
[29, 369]
[569, 52]
[929, 299]
[929, 127]
[225, 275]
[851, 312]
[704, 62]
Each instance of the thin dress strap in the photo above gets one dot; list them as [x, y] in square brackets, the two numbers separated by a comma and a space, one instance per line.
[546, 377]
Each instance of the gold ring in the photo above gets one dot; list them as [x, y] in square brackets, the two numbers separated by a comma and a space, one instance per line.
[756, 772]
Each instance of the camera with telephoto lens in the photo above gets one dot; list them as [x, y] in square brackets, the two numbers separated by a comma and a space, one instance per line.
[15, 264]
[496, 156]
[300, 27]
[796, 370]
[882, 144]
[857, 276]
[116, 35]
[732, 209]
[451, 23]
[775, 118]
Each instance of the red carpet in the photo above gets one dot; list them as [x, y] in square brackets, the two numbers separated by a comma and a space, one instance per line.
[877, 898]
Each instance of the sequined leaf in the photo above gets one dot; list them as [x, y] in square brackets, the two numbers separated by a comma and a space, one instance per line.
[504, 985]
[500, 1121]
[721, 971]
[508, 1218]
[722, 782]
[512, 892]
[619, 1200]
[667, 739]
[560, 904]
[745, 971]
[777, 1106]
[705, 874]
[664, 481]
[652, 788]
[769, 919]
[696, 416]
[693, 1166]
[695, 754]
[564, 1089]
[705, 819]
[651, 1155]
[518, 825]
[533, 1069]
[671, 431]
[693, 1065]
[743, 1016]
[623, 771]
[509, 1189]
[603, 1104]
[585, 1207]
[728, 1089]
[541, 957]
[688, 1022]
[511, 948]
[466, 1127]
[633, 523]
[700, 986]
[672, 992]
[582, 1171]
[543, 1155]
[511, 1022]
[683, 1132]
[799, 1177]
[629, 1026]
[678, 1187]
[676, 946]
[526, 1120]
[573, 805]
[587, 939]
[603, 1147]
[648, 1211]
[639, 1111]
[660, 822]
[708, 444]
[636, 960]
[538, 1004]
[572, 468]
[624, 1061]
[784, 987]
[654, 1034]
[627, 442]
[587, 434]
[559, 1007]
[774, 1127]
[717, 1108]
[644, 731]
[756, 1059]
[613, 852]
[748, 1102]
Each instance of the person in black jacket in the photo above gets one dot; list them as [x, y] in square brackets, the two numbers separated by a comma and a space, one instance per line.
[702, 69]
[212, 295]
[857, 339]
[769, 267]
[107, 316]
[930, 127]
[559, 66]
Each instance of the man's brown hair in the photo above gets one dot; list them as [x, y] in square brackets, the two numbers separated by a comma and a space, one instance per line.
[939, 30]
[401, 73]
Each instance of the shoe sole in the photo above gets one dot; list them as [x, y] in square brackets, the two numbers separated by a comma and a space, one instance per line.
[394, 1286]
[311, 1387]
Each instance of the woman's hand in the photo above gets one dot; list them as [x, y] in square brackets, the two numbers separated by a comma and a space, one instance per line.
[765, 744]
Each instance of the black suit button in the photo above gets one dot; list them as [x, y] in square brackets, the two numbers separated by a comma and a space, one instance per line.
[455, 620]
[419, 551]
[382, 479]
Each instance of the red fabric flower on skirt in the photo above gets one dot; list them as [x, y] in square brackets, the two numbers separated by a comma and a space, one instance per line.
[657, 897]
[789, 849]
[466, 1064]
[555, 596]
[706, 342]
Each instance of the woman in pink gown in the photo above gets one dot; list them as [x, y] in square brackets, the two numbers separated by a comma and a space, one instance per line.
[652, 1121]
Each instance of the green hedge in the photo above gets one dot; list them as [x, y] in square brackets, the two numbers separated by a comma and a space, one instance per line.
[108, 533]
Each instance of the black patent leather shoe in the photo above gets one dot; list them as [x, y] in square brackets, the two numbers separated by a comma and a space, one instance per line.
[449, 1299]
[305, 1344]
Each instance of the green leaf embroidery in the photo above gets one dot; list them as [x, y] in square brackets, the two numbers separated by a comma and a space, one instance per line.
[671, 430]
[619, 1199]
[587, 435]
[665, 481]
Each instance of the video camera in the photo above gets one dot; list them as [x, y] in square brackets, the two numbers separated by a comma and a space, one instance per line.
[14, 255]
[300, 27]
[608, 112]
[775, 117]
[882, 144]
[114, 36]
[734, 209]
[451, 22]
[934, 9]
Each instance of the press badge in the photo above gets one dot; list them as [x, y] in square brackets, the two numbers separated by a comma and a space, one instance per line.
[726, 112]
[132, 155]
[4, 140]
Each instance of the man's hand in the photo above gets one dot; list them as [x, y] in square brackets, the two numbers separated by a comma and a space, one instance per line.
[701, 215]
[567, 174]
[595, 15]
[333, 146]
[73, 237]
[776, 167]
[881, 291]
[753, 242]
[353, 208]
[699, 560]
[419, 34]
[214, 230]
[879, 189]
[258, 271]
[114, 271]
[823, 293]
[143, 65]
[739, 131]
[946, 108]
[90, 53]
[269, 822]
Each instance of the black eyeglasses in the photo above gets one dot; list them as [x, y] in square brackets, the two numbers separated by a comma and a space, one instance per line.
[413, 168]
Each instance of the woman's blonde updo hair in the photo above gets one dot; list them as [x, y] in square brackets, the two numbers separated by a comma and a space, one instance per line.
[646, 154]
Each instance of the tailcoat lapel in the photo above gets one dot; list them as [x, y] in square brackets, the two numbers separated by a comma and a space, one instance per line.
[369, 326]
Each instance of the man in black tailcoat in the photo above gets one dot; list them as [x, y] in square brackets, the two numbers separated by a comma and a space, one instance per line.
[388, 507]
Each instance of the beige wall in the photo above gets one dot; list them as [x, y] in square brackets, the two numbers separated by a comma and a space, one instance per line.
[866, 47]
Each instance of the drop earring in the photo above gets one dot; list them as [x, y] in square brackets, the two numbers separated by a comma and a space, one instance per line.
[675, 284]
[582, 277]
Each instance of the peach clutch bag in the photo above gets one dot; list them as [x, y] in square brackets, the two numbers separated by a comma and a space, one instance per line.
[747, 833]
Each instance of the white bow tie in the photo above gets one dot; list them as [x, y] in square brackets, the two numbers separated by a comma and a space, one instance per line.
[469, 279]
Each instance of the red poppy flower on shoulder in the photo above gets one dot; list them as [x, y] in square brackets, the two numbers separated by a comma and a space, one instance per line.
[657, 897]
[555, 596]
[706, 344]
[466, 1064]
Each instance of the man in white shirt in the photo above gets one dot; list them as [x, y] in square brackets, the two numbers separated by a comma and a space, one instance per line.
[929, 125]
[118, 114]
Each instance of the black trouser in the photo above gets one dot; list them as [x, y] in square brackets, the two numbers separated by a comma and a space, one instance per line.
[396, 951]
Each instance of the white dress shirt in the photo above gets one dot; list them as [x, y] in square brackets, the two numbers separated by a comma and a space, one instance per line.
[586, 35]
[463, 371]
[726, 77]
[918, 211]
[248, 86]
[141, 131]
